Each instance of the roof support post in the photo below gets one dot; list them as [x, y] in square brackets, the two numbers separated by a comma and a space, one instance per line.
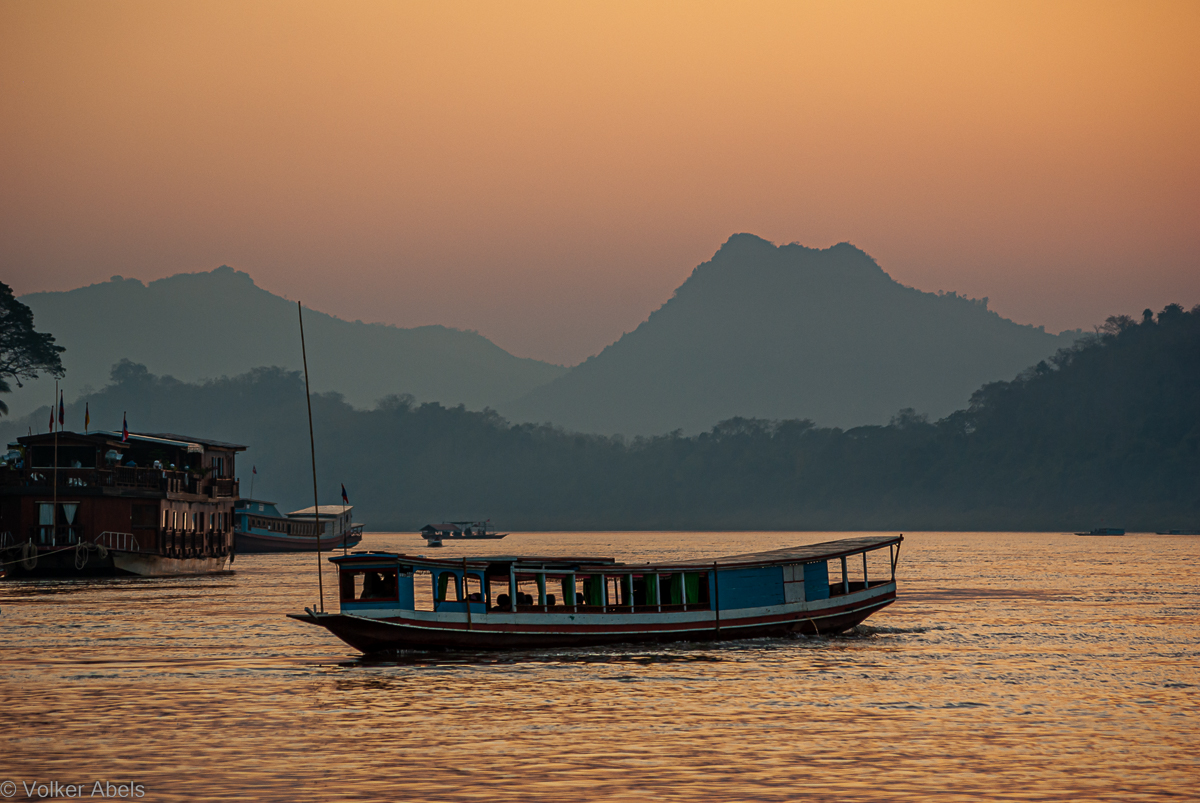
[466, 597]
[716, 597]
[845, 577]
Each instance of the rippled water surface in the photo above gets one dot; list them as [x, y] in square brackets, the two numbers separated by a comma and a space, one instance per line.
[1012, 667]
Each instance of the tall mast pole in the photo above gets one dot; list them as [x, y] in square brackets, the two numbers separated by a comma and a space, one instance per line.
[312, 446]
[54, 495]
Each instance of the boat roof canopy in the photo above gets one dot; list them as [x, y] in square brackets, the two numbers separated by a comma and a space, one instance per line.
[809, 553]
[113, 439]
[325, 510]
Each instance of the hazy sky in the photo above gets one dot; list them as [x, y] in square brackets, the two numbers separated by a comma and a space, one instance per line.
[547, 173]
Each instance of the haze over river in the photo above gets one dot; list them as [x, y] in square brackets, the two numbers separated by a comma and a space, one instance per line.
[1013, 666]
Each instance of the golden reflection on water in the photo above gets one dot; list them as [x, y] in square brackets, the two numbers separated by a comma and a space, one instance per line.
[1013, 667]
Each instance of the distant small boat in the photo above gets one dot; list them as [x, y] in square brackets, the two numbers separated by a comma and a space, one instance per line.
[1105, 531]
[434, 534]
[1178, 532]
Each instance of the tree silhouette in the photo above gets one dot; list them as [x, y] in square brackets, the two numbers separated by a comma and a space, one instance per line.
[23, 352]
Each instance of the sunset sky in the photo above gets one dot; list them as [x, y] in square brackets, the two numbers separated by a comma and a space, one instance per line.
[547, 173]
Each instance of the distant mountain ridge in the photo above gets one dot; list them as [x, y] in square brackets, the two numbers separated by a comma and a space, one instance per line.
[220, 323]
[781, 332]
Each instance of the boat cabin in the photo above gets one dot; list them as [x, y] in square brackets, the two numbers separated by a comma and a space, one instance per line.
[335, 519]
[261, 517]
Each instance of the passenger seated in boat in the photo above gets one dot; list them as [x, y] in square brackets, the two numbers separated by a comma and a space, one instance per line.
[372, 585]
[551, 599]
[475, 597]
[502, 603]
[579, 598]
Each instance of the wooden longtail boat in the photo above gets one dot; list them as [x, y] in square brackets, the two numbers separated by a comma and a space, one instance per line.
[392, 602]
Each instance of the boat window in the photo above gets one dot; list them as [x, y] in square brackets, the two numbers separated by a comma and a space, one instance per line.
[530, 591]
[854, 572]
[684, 589]
[619, 591]
[364, 585]
[423, 590]
[846, 575]
[879, 566]
[473, 588]
[645, 591]
[447, 587]
[837, 580]
[589, 590]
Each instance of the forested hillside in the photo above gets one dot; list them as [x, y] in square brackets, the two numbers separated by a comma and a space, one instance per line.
[197, 326]
[1106, 433]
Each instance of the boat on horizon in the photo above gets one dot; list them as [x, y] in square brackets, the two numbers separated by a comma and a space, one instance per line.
[393, 602]
[104, 503]
[1105, 531]
[1178, 532]
[260, 527]
[435, 534]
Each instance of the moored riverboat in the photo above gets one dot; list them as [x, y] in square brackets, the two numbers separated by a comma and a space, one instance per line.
[111, 503]
[394, 602]
[1105, 531]
[260, 527]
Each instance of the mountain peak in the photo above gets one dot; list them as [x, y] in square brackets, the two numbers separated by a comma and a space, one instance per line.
[787, 331]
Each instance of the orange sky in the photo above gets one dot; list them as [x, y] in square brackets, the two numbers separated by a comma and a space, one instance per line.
[547, 173]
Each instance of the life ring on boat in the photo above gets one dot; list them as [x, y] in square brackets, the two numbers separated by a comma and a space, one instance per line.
[28, 556]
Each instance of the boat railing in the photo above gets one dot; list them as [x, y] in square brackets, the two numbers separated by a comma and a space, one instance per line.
[50, 535]
[132, 477]
[647, 608]
[121, 542]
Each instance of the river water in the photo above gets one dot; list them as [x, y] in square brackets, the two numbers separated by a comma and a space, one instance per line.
[1013, 666]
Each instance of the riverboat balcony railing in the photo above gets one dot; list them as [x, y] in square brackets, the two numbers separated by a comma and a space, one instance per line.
[122, 477]
[49, 535]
